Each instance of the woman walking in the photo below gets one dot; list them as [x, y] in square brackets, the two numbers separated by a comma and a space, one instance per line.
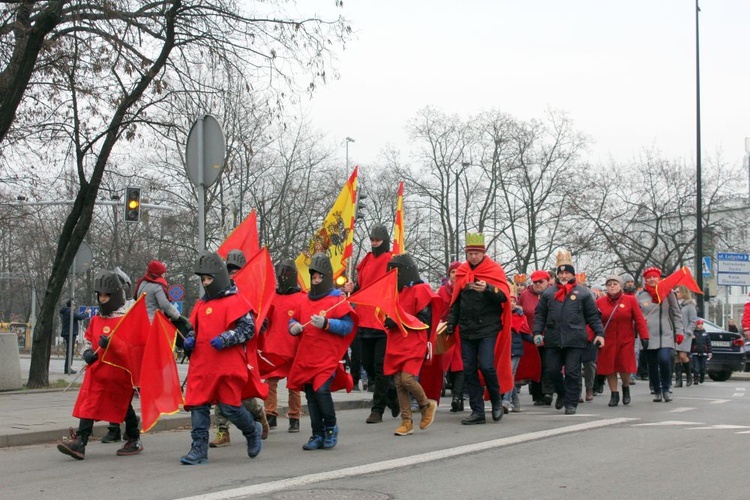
[689, 316]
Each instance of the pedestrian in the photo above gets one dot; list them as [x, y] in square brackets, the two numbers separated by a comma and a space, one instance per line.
[70, 341]
[405, 353]
[371, 334]
[689, 313]
[732, 326]
[107, 391]
[541, 388]
[664, 321]
[520, 333]
[218, 370]
[701, 351]
[454, 365]
[478, 309]
[325, 322]
[560, 322]
[622, 316]
[154, 285]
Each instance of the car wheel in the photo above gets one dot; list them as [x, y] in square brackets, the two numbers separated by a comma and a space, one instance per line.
[721, 376]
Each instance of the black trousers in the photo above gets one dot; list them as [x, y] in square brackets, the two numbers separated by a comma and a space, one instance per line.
[570, 358]
[68, 355]
[86, 426]
[373, 358]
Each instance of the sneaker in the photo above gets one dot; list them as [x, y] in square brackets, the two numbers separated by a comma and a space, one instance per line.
[374, 418]
[222, 439]
[570, 410]
[293, 425]
[113, 434]
[271, 421]
[331, 438]
[506, 407]
[428, 415]
[315, 443]
[75, 449]
[131, 447]
[516, 408]
[406, 427]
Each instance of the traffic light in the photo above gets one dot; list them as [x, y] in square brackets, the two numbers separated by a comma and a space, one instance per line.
[132, 204]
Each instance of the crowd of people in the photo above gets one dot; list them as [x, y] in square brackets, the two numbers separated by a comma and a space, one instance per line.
[551, 331]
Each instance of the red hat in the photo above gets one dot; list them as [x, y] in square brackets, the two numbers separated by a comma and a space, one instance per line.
[454, 265]
[651, 271]
[539, 275]
[156, 267]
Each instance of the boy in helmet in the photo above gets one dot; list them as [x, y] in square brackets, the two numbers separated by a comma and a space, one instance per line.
[325, 321]
[107, 390]
[218, 365]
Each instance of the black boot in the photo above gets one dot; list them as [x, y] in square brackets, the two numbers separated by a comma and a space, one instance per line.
[113, 434]
[626, 395]
[678, 375]
[686, 369]
[457, 402]
[614, 400]
[75, 449]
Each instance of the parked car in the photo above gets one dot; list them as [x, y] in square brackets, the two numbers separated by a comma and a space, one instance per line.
[729, 354]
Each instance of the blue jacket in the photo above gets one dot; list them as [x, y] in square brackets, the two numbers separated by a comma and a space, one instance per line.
[65, 315]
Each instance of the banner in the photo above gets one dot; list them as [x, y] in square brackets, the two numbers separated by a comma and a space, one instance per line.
[244, 237]
[398, 223]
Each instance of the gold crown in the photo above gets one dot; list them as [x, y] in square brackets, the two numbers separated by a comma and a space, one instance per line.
[474, 240]
[563, 258]
[512, 287]
[581, 278]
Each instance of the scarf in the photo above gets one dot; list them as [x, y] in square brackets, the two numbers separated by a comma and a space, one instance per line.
[614, 298]
[564, 290]
[152, 279]
[652, 291]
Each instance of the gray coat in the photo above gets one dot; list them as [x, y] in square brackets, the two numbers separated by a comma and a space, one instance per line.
[156, 299]
[689, 315]
[663, 320]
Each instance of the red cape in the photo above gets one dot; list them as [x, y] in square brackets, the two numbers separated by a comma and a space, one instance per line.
[279, 346]
[530, 364]
[369, 270]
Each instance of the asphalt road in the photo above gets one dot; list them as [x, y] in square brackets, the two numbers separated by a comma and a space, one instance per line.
[694, 447]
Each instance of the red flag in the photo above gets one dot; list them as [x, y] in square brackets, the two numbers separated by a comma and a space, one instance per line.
[256, 281]
[398, 223]
[383, 295]
[161, 393]
[680, 277]
[244, 237]
[128, 340]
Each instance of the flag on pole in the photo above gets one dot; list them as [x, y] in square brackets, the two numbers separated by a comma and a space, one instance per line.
[680, 277]
[161, 393]
[256, 281]
[244, 237]
[336, 236]
[128, 341]
[398, 223]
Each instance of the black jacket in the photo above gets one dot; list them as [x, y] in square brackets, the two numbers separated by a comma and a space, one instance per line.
[701, 343]
[563, 324]
[478, 314]
[65, 321]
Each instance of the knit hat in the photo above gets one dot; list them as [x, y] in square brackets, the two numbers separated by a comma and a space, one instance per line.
[539, 276]
[651, 271]
[454, 265]
[627, 277]
[564, 263]
[613, 277]
[475, 242]
[156, 267]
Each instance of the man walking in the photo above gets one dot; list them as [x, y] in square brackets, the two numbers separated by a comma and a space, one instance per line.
[70, 342]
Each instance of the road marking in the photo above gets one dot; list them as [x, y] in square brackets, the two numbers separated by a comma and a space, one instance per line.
[296, 482]
[720, 427]
[681, 409]
[739, 389]
[667, 423]
[713, 401]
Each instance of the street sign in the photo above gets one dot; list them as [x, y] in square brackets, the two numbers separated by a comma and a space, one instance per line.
[733, 269]
[178, 305]
[707, 266]
[90, 310]
[176, 292]
[205, 151]
[83, 259]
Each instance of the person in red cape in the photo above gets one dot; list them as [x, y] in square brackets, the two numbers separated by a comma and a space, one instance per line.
[107, 391]
[218, 372]
[531, 365]
[280, 347]
[452, 362]
[235, 261]
[405, 354]
[520, 337]
[560, 322]
[326, 323]
[372, 337]
[621, 315]
[481, 317]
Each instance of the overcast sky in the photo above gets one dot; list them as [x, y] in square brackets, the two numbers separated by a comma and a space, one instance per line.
[624, 71]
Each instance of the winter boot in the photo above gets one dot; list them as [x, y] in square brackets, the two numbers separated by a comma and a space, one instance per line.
[626, 395]
[406, 427]
[614, 400]
[696, 381]
[315, 443]
[255, 440]
[132, 446]
[197, 455]
[222, 439]
[271, 421]
[263, 423]
[374, 418]
[702, 378]
[428, 415]
[686, 369]
[331, 437]
[457, 391]
[75, 449]
[678, 375]
[113, 434]
[293, 425]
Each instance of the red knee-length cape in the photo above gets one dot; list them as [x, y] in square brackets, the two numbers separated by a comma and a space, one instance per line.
[107, 390]
[451, 359]
[370, 269]
[530, 364]
[319, 352]
[217, 375]
[279, 347]
[618, 355]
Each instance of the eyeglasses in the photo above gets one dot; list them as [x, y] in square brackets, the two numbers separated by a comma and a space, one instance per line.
[538, 281]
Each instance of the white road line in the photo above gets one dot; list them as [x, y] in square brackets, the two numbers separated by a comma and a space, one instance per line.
[296, 482]
[667, 423]
[738, 394]
[739, 389]
[720, 427]
[681, 409]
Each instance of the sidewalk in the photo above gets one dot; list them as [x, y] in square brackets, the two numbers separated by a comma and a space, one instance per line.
[42, 416]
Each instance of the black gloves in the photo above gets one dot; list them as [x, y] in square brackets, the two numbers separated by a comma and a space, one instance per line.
[389, 323]
[644, 343]
[103, 341]
[89, 356]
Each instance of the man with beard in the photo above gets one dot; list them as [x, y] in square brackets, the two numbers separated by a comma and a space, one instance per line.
[541, 391]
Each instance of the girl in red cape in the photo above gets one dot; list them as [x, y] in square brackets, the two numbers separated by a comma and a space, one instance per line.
[405, 354]
[326, 323]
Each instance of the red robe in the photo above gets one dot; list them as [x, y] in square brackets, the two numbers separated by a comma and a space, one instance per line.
[452, 360]
[217, 375]
[319, 352]
[530, 365]
[107, 390]
[279, 346]
[618, 355]
[370, 269]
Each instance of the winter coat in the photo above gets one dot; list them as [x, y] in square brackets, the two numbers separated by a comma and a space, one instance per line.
[520, 331]
[563, 324]
[478, 314]
[156, 300]
[689, 316]
[701, 343]
[663, 320]
[623, 319]
[65, 319]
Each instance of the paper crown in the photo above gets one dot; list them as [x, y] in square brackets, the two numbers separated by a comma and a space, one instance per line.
[512, 287]
[563, 259]
[475, 241]
[581, 278]
[519, 278]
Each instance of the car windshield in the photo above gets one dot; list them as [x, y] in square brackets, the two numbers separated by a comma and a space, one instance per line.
[712, 327]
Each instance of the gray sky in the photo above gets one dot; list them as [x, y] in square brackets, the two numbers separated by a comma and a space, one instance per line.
[623, 71]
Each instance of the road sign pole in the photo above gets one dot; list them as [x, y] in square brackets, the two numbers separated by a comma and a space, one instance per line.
[201, 188]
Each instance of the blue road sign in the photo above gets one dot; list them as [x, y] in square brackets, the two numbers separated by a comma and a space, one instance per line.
[176, 292]
[707, 266]
[178, 305]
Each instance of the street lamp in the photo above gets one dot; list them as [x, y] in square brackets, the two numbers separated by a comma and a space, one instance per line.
[699, 193]
[465, 165]
[348, 140]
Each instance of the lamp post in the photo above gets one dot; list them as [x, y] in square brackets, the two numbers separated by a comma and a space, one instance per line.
[348, 140]
[747, 151]
[465, 165]
[699, 193]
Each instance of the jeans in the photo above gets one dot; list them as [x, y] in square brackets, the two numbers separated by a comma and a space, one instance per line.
[373, 357]
[320, 406]
[200, 417]
[660, 368]
[512, 396]
[699, 365]
[480, 354]
[570, 358]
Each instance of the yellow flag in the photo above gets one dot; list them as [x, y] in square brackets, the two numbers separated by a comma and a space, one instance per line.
[398, 223]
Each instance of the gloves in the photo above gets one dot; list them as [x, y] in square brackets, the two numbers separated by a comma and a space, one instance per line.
[679, 338]
[538, 340]
[89, 356]
[449, 329]
[644, 343]
[103, 341]
[295, 329]
[318, 321]
[217, 343]
[189, 344]
[389, 323]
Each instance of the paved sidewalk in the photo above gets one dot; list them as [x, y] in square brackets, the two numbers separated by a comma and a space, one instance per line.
[42, 416]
